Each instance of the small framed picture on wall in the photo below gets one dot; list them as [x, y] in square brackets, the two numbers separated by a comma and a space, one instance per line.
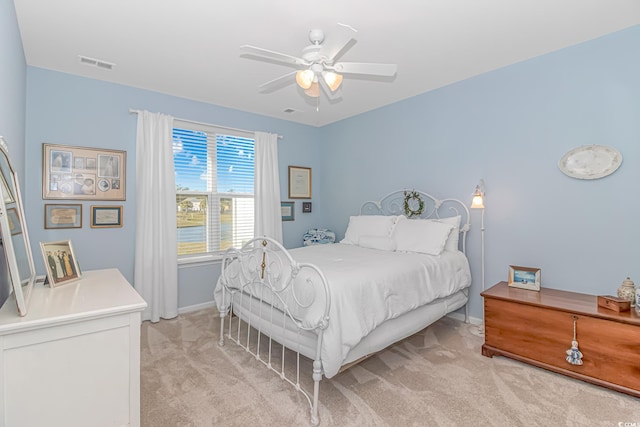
[299, 182]
[62, 216]
[288, 212]
[106, 216]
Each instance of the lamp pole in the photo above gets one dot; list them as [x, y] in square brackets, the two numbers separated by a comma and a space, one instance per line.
[481, 326]
[478, 203]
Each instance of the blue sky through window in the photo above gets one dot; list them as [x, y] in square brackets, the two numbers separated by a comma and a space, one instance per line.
[235, 161]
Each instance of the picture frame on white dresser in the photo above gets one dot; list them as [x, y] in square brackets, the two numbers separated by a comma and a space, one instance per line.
[60, 262]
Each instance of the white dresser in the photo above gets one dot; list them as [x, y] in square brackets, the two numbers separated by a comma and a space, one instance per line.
[74, 360]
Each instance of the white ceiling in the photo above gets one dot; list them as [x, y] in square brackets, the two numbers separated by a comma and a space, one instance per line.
[190, 48]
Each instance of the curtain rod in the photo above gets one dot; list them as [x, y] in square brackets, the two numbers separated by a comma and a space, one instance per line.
[131, 111]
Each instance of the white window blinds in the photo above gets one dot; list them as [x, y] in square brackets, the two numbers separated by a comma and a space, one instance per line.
[214, 170]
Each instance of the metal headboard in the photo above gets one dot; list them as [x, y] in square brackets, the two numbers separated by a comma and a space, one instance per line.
[434, 208]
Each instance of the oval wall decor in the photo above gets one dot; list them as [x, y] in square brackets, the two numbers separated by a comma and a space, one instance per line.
[590, 162]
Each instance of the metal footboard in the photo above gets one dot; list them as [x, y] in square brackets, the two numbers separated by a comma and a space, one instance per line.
[277, 310]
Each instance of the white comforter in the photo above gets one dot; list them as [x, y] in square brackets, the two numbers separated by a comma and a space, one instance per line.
[370, 286]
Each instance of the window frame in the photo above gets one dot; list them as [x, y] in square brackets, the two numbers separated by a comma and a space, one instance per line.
[213, 196]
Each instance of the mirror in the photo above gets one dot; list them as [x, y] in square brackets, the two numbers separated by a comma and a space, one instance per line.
[13, 233]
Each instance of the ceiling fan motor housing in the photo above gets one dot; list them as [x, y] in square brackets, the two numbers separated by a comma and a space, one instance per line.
[311, 53]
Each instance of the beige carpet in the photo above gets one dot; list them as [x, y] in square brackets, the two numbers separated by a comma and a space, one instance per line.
[435, 378]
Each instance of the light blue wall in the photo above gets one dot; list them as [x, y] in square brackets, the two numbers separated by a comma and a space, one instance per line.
[511, 127]
[13, 83]
[71, 110]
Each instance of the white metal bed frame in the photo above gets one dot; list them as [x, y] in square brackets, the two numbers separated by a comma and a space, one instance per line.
[259, 282]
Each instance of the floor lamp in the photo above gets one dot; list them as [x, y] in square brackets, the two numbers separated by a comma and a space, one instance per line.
[478, 203]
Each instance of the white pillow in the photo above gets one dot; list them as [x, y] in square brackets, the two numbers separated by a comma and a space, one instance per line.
[383, 243]
[454, 234]
[368, 225]
[424, 236]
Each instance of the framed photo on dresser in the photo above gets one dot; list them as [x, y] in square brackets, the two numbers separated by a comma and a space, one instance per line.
[524, 278]
[60, 262]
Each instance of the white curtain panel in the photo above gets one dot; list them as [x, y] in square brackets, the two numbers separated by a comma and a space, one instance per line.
[267, 216]
[156, 266]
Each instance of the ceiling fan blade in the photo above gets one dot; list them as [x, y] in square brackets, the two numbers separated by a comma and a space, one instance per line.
[277, 83]
[270, 54]
[371, 69]
[336, 41]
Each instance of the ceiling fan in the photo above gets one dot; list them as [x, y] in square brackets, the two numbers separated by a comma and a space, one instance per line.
[317, 67]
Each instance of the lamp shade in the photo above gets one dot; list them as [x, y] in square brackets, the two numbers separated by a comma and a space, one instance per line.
[478, 199]
[313, 90]
[477, 202]
[304, 78]
[333, 80]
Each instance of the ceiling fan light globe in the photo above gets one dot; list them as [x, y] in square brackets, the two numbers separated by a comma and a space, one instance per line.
[304, 78]
[313, 91]
[333, 80]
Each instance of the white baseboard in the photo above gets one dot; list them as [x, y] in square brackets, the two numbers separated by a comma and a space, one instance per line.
[196, 307]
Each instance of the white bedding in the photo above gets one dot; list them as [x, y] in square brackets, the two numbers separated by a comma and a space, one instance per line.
[369, 287]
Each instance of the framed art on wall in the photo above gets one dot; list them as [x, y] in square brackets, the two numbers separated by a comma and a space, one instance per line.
[62, 216]
[60, 262]
[299, 182]
[106, 216]
[288, 212]
[83, 173]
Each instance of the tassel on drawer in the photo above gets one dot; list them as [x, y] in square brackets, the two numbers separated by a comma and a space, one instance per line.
[574, 355]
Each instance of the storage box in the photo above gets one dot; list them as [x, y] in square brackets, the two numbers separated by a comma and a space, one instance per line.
[614, 303]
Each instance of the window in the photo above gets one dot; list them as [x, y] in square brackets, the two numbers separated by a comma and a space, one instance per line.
[214, 171]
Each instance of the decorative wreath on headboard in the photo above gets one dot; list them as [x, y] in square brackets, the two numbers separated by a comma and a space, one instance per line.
[410, 199]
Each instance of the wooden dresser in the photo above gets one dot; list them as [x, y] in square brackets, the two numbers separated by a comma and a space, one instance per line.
[537, 328]
[74, 359]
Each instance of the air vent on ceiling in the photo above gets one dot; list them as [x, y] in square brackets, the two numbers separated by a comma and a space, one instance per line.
[92, 62]
[289, 110]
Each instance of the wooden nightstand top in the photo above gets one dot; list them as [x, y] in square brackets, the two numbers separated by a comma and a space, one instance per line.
[573, 302]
